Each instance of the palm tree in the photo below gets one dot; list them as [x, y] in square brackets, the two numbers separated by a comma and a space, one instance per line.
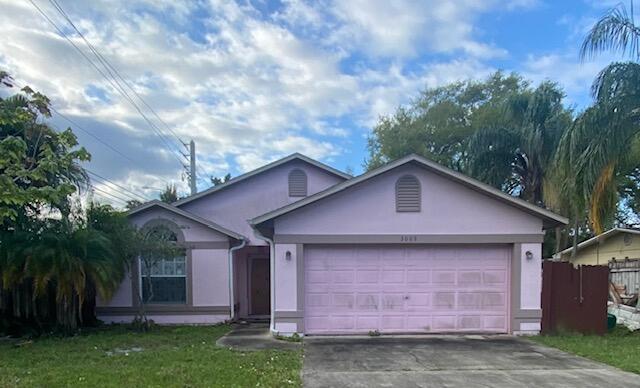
[62, 261]
[615, 31]
[603, 145]
[515, 155]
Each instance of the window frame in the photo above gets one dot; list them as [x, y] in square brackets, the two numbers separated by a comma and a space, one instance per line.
[138, 278]
[150, 275]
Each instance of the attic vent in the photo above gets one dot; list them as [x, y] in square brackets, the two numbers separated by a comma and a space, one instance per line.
[408, 194]
[297, 183]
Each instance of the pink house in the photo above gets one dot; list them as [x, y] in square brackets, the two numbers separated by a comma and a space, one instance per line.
[411, 247]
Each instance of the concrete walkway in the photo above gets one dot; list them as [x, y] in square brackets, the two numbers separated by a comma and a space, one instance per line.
[450, 361]
[254, 336]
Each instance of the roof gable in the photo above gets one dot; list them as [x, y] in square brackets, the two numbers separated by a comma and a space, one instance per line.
[267, 167]
[550, 219]
[190, 216]
[599, 238]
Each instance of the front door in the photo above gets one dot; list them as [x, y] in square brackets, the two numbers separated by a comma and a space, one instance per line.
[260, 286]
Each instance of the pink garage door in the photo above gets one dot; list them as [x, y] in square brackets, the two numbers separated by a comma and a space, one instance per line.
[428, 289]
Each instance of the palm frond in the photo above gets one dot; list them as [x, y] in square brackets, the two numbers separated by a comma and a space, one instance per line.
[615, 31]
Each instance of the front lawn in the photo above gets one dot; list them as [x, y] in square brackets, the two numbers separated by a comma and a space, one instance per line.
[179, 356]
[620, 348]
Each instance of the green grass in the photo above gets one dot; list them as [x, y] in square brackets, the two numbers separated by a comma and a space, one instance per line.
[180, 356]
[620, 348]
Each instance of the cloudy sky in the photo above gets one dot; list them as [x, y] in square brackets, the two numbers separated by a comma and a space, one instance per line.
[254, 81]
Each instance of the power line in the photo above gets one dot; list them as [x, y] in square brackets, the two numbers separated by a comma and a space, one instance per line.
[115, 84]
[117, 185]
[110, 67]
[111, 70]
[113, 196]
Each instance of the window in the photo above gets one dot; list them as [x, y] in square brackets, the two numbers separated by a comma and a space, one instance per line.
[164, 279]
[408, 194]
[297, 183]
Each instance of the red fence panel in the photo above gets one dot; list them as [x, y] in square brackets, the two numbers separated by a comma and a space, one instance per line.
[574, 299]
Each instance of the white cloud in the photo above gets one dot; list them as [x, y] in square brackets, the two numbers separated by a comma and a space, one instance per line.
[574, 77]
[247, 87]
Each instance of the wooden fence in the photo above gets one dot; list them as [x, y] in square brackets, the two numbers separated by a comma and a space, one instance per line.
[574, 299]
[627, 273]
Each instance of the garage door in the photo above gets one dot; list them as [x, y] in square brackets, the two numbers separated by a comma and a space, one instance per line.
[437, 289]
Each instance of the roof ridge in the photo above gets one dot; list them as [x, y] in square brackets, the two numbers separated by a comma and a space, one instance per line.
[437, 168]
[266, 167]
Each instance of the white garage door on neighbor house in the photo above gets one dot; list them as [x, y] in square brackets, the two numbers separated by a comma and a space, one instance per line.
[357, 289]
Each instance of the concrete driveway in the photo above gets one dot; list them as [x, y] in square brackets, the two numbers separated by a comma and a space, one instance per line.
[450, 361]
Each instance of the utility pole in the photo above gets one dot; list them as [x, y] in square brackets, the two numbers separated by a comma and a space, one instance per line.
[190, 169]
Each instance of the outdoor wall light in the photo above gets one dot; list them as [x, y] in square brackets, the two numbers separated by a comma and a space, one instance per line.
[528, 255]
[287, 256]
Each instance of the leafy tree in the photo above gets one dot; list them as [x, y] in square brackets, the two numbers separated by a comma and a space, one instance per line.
[132, 204]
[170, 194]
[440, 122]
[39, 167]
[220, 180]
[54, 256]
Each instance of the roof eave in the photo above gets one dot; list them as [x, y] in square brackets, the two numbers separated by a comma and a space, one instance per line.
[549, 218]
[192, 217]
[259, 170]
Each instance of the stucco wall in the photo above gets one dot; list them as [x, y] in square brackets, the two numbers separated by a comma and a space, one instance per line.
[530, 277]
[233, 206]
[613, 247]
[200, 319]
[447, 208]
[286, 278]
[210, 277]
[209, 280]
[123, 297]
[192, 231]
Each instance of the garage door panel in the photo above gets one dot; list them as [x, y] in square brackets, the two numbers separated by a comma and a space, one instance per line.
[494, 277]
[419, 276]
[444, 323]
[418, 300]
[393, 276]
[392, 322]
[406, 289]
[443, 277]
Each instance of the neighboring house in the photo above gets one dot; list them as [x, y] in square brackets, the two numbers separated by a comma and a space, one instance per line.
[409, 247]
[617, 243]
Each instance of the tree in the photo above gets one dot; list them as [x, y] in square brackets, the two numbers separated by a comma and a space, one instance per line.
[132, 204]
[170, 194]
[39, 167]
[218, 181]
[610, 128]
[440, 122]
[53, 256]
[615, 31]
[154, 244]
[515, 152]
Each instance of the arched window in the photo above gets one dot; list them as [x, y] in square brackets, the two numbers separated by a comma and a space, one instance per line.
[163, 267]
[408, 197]
[297, 183]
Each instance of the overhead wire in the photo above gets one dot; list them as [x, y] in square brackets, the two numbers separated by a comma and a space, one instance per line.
[112, 81]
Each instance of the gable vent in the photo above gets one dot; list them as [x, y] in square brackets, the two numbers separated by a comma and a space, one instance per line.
[408, 194]
[297, 183]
